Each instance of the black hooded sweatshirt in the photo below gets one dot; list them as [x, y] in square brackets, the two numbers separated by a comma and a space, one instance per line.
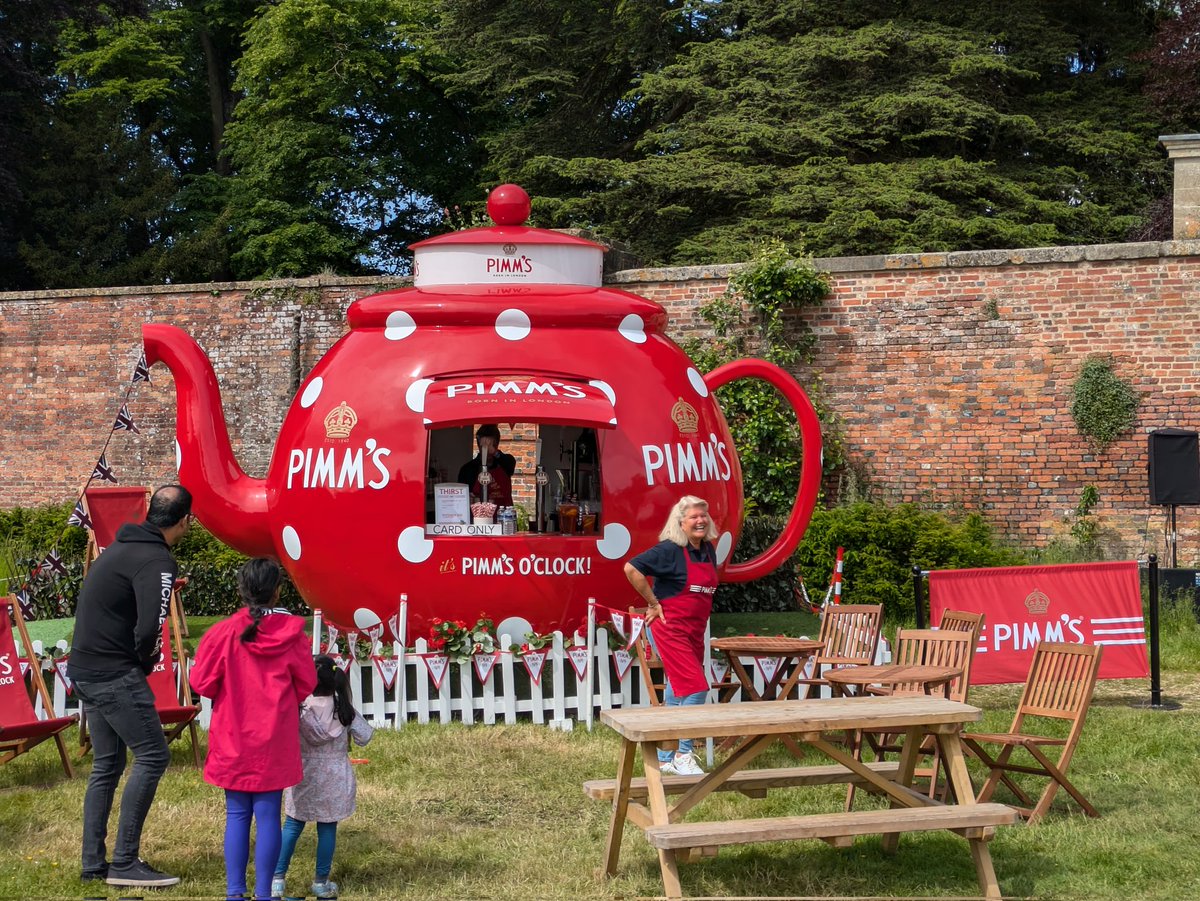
[124, 601]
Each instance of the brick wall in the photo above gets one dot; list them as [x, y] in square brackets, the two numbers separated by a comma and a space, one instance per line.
[951, 374]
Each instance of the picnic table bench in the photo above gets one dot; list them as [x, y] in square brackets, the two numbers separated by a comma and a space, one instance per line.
[643, 800]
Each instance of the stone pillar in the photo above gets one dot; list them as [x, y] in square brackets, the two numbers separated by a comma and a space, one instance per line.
[1184, 150]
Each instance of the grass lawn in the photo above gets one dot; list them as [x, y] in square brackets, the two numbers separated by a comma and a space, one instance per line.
[498, 812]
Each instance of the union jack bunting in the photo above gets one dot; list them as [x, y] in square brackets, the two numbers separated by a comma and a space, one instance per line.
[79, 517]
[25, 599]
[103, 471]
[53, 563]
[141, 372]
[124, 421]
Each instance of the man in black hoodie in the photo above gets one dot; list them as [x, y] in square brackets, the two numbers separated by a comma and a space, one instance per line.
[118, 636]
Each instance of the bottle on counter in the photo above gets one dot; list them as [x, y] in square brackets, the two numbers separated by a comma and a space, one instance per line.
[508, 521]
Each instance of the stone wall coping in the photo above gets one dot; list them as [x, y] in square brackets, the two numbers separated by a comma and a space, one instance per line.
[960, 259]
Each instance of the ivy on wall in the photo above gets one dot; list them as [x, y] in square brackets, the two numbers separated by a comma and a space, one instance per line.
[1103, 406]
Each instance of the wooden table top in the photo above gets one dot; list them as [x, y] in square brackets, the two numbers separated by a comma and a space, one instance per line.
[890, 674]
[784, 717]
[767, 644]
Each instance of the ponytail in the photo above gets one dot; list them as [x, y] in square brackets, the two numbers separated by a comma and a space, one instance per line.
[257, 583]
[331, 680]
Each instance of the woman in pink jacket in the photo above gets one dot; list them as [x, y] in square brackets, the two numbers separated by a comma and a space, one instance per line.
[257, 667]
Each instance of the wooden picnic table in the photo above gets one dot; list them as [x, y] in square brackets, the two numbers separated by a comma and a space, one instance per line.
[790, 653]
[643, 801]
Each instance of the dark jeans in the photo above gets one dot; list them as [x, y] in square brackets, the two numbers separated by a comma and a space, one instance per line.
[120, 715]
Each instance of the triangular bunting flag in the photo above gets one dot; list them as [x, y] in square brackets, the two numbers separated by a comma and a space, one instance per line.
[333, 637]
[25, 599]
[332, 650]
[578, 655]
[351, 640]
[618, 621]
[375, 633]
[24, 668]
[436, 664]
[124, 422]
[342, 662]
[175, 668]
[484, 663]
[636, 623]
[103, 471]
[621, 660]
[719, 669]
[535, 662]
[767, 666]
[79, 516]
[394, 626]
[387, 667]
[141, 372]
[60, 667]
[52, 565]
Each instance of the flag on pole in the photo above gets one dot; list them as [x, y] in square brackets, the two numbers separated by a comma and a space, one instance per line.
[124, 421]
[25, 599]
[103, 471]
[141, 372]
[79, 516]
[53, 562]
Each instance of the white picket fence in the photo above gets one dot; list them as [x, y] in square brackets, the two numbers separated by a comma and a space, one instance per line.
[508, 695]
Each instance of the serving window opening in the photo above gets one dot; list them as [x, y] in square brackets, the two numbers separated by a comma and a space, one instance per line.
[556, 483]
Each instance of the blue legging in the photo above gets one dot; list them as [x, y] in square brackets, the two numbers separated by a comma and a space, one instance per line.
[326, 842]
[240, 808]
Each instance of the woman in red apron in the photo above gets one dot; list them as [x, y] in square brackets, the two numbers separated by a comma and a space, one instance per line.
[683, 566]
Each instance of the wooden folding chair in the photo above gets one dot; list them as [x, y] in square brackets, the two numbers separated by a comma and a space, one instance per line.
[1061, 680]
[962, 621]
[851, 635]
[109, 508]
[172, 692]
[20, 727]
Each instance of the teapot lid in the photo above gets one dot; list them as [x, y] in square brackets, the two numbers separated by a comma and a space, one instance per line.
[508, 252]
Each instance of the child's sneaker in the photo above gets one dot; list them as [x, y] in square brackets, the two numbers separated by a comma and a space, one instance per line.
[325, 889]
[278, 886]
[685, 765]
[667, 768]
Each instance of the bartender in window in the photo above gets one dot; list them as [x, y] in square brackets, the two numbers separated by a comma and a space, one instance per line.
[500, 467]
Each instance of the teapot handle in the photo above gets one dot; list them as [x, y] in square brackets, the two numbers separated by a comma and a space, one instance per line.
[810, 467]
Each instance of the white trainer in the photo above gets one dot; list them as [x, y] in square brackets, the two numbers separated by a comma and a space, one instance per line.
[667, 768]
[685, 765]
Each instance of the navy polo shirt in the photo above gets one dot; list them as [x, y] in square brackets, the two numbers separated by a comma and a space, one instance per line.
[667, 567]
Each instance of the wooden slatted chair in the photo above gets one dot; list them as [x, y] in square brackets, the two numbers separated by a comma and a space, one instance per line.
[962, 621]
[1061, 680]
[851, 636]
[173, 699]
[20, 728]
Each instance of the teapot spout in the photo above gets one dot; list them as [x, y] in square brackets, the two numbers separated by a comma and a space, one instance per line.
[231, 505]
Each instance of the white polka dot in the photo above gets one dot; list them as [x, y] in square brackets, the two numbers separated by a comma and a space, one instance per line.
[515, 628]
[366, 619]
[291, 542]
[399, 326]
[607, 389]
[415, 395]
[632, 328]
[178, 456]
[615, 543]
[413, 545]
[724, 546]
[697, 381]
[512, 325]
[311, 392]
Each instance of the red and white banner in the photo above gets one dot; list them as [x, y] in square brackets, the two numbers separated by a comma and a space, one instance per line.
[60, 667]
[768, 666]
[579, 656]
[484, 662]
[1082, 603]
[718, 669]
[342, 663]
[387, 667]
[621, 660]
[535, 661]
[24, 668]
[436, 665]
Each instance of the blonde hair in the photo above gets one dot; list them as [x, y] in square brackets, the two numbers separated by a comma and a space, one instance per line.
[673, 530]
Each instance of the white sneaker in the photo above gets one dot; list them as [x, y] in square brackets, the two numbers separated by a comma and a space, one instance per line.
[278, 887]
[325, 889]
[668, 768]
[685, 765]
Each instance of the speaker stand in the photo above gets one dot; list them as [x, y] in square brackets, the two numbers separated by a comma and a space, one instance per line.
[1172, 535]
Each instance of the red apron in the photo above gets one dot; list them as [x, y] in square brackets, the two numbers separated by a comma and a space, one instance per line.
[679, 639]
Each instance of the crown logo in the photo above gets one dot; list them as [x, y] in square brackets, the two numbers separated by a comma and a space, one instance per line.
[509, 249]
[685, 417]
[340, 421]
[1037, 603]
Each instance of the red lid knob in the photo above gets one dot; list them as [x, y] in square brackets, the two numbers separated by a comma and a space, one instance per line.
[508, 205]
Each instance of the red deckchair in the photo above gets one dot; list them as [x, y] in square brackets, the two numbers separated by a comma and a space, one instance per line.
[20, 728]
[109, 509]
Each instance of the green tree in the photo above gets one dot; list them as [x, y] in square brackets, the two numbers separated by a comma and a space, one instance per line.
[874, 127]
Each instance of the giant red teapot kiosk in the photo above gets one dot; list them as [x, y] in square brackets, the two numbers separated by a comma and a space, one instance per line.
[611, 423]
